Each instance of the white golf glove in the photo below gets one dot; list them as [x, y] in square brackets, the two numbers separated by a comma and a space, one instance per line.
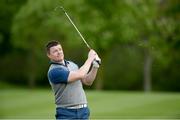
[96, 62]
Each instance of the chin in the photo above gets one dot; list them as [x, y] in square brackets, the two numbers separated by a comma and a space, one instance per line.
[60, 60]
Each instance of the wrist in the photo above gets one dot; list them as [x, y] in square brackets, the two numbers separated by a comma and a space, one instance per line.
[95, 67]
[95, 64]
[90, 59]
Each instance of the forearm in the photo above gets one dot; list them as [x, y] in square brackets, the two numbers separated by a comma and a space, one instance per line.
[85, 68]
[80, 73]
[90, 77]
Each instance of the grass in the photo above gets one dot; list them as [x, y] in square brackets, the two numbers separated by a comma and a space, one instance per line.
[39, 104]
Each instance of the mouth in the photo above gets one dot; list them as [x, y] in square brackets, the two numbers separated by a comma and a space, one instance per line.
[59, 56]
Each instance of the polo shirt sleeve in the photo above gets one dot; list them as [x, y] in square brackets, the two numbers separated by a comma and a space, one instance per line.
[58, 75]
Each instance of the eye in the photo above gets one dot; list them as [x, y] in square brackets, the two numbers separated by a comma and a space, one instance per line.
[55, 51]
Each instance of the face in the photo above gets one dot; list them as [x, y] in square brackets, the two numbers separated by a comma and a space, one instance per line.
[56, 53]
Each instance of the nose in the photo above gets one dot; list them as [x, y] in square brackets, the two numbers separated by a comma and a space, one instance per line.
[60, 52]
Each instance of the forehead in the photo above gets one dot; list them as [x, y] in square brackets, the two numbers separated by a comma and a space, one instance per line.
[56, 47]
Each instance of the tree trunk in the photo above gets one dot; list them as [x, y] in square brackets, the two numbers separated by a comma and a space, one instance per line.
[147, 70]
[32, 70]
[31, 81]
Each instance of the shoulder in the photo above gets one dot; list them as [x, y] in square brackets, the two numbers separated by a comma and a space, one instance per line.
[53, 67]
[71, 63]
[58, 74]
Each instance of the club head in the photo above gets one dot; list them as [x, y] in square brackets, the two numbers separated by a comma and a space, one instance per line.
[61, 7]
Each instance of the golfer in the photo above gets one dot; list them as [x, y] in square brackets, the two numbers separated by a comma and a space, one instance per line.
[66, 80]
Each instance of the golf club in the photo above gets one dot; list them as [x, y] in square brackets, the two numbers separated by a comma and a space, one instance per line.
[97, 60]
[73, 25]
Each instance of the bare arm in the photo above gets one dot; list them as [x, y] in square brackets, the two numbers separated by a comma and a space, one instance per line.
[90, 77]
[81, 73]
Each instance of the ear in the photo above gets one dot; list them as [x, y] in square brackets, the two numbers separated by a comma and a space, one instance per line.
[49, 56]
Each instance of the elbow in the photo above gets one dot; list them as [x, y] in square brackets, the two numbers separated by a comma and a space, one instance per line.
[82, 74]
[88, 83]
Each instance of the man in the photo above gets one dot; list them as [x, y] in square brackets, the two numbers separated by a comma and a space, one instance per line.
[66, 80]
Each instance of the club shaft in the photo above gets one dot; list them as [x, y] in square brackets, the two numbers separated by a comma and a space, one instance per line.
[76, 28]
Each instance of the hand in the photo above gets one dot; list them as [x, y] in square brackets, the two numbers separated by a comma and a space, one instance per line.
[92, 54]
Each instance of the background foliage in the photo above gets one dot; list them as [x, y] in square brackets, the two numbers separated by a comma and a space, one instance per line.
[138, 41]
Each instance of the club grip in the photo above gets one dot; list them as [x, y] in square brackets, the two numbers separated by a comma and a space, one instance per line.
[98, 61]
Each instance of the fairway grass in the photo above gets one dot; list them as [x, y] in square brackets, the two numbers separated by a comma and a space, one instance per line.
[39, 104]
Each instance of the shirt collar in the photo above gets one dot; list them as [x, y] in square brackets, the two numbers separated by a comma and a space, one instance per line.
[57, 63]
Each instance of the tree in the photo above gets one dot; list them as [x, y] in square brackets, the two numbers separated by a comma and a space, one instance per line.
[33, 26]
[169, 22]
[8, 9]
[133, 23]
[121, 25]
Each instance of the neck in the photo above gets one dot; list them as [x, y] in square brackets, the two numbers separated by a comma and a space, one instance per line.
[61, 62]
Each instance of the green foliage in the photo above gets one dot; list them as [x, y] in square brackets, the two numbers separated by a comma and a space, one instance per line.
[8, 9]
[107, 25]
[130, 59]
